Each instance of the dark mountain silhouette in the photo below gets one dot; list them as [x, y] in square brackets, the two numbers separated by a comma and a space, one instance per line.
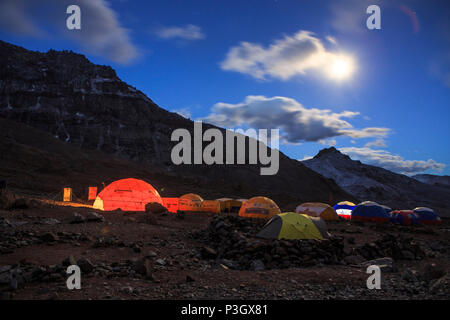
[90, 108]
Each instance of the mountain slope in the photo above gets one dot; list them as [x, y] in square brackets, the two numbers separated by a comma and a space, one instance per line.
[88, 106]
[373, 183]
[442, 181]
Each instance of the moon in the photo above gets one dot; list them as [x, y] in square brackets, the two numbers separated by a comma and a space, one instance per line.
[341, 68]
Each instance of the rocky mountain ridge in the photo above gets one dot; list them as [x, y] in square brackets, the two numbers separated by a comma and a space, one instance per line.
[368, 182]
[88, 106]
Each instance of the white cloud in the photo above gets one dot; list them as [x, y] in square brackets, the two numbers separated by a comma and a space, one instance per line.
[185, 112]
[350, 16]
[283, 59]
[188, 32]
[384, 159]
[377, 143]
[101, 32]
[296, 123]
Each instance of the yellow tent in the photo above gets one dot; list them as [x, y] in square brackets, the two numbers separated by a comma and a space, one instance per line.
[190, 202]
[259, 207]
[318, 209]
[290, 225]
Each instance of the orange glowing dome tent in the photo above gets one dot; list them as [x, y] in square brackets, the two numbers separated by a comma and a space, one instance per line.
[127, 195]
[190, 202]
[259, 207]
[318, 209]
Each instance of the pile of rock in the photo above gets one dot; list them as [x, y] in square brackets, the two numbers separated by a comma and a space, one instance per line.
[396, 246]
[231, 243]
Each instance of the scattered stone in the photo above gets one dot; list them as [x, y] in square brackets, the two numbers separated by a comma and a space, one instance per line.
[127, 290]
[385, 264]
[161, 262]
[50, 221]
[151, 254]
[70, 260]
[354, 259]
[49, 237]
[155, 207]
[409, 275]
[85, 265]
[189, 278]
[76, 218]
[257, 265]
[95, 217]
[433, 271]
[208, 252]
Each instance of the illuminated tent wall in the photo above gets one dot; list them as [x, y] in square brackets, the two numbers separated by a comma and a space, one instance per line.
[317, 209]
[259, 207]
[127, 195]
[190, 202]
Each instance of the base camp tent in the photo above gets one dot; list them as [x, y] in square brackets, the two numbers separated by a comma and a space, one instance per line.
[259, 207]
[317, 209]
[427, 215]
[344, 209]
[291, 225]
[190, 202]
[127, 195]
[370, 211]
[212, 206]
[404, 217]
[228, 205]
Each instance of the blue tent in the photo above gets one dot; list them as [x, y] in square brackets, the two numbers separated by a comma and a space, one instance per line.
[370, 211]
[427, 215]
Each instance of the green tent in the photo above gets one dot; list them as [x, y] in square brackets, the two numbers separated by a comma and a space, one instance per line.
[291, 225]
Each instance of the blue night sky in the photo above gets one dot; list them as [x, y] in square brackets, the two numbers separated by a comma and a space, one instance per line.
[314, 71]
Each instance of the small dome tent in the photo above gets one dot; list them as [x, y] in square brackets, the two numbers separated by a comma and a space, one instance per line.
[404, 217]
[259, 207]
[127, 195]
[317, 209]
[370, 211]
[291, 225]
[190, 202]
[427, 215]
[344, 209]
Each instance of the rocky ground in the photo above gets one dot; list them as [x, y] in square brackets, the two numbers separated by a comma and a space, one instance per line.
[202, 256]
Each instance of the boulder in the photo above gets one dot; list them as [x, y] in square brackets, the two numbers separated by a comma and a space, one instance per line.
[94, 217]
[85, 265]
[155, 207]
[257, 265]
[76, 218]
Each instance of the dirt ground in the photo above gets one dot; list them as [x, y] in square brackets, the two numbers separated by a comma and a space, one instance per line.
[35, 246]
